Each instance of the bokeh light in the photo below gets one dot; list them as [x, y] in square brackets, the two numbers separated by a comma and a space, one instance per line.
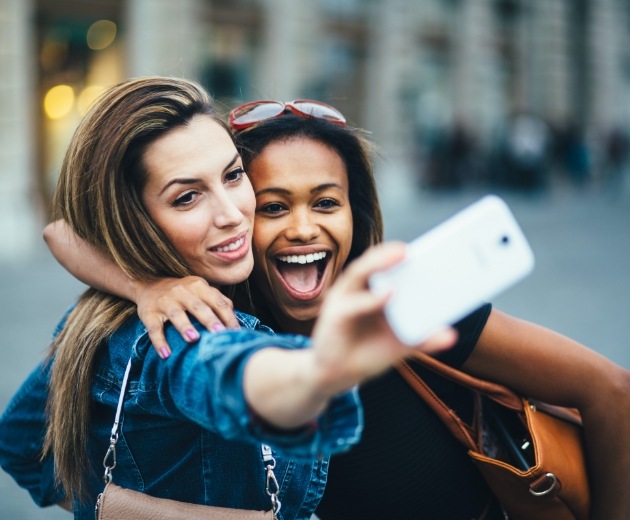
[53, 54]
[58, 101]
[101, 35]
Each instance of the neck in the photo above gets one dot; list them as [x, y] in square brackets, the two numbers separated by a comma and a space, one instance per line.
[249, 298]
[292, 326]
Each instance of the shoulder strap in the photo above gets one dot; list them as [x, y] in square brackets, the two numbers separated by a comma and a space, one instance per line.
[494, 391]
[460, 430]
[109, 462]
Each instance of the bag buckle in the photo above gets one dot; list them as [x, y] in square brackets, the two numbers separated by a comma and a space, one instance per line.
[553, 485]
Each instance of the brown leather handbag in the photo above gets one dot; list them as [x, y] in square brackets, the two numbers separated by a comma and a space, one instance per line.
[118, 503]
[530, 454]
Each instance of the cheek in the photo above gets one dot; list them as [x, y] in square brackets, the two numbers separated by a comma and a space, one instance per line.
[259, 256]
[247, 204]
[185, 233]
[245, 200]
[260, 272]
[264, 233]
[183, 243]
[344, 234]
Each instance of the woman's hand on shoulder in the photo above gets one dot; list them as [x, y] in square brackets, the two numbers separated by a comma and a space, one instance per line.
[172, 299]
[352, 339]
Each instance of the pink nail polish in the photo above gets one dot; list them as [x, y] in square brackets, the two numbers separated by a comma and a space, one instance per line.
[218, 327]
[164, 353]
[192, 334]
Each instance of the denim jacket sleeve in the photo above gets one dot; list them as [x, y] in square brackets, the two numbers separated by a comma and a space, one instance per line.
[203, 382]
[22, 430]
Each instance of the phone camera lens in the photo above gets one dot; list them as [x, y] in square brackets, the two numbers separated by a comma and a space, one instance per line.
[505, 240]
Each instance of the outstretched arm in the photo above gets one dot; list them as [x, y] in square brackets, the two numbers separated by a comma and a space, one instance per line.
[352, 342]
[168, 299]
[545, 365]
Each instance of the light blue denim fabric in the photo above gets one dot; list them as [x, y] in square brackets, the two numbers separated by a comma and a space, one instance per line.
[187, 432]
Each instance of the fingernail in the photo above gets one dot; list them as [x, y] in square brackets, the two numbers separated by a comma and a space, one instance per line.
[218, 327]
[192, 334]
[164, 353]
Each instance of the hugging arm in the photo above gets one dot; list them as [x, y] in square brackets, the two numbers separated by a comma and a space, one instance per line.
[167, 299]
[545, 365]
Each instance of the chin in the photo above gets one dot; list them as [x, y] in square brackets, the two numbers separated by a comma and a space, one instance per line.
[305, 313]
[234, 277]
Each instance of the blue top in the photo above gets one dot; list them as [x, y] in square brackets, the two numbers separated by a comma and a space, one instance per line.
[187, 432]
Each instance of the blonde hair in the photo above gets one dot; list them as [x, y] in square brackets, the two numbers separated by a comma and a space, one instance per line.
[99, 195]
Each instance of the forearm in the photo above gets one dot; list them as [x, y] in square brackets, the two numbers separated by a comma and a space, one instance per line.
[280, 387]
[607, 430]
[158, 301]
[205, 382]
[87, 263]
[351, 343]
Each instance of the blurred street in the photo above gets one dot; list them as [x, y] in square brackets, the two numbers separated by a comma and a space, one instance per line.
[580, 286]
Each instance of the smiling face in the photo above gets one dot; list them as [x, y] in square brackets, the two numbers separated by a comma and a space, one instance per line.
[303, 230]
[198, 194]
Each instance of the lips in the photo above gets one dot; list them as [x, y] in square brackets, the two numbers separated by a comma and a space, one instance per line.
[302, 274]
[232, 246]
[232, 249]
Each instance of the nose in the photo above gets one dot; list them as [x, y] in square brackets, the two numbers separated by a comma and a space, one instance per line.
[302, 227]
[227, 212]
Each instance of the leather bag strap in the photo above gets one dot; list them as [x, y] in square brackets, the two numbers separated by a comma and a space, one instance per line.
[463, 432]
[494, 391]
[460, 430]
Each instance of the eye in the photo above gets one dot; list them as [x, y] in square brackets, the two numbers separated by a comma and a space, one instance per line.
[234, 175]
[327, 204]
[185, 199]
[272, 208]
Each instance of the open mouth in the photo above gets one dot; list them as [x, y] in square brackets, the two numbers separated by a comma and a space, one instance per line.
[302, 273]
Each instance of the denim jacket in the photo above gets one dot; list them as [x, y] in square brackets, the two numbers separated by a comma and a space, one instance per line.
[187, 432]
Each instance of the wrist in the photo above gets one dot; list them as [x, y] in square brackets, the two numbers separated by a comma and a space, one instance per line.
[133, 289]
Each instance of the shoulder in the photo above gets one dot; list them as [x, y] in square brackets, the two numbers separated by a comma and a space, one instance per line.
[468, 329]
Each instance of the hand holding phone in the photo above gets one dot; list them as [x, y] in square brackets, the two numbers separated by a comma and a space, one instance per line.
[453, 269]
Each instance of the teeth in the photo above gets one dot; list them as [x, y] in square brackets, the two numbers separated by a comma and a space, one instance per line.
[303, 259]
[231, 247]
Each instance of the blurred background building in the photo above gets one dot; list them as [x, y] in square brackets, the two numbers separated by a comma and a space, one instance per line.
[455, 92]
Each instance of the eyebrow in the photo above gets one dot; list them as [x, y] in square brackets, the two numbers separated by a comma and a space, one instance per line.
[284, 191]
[194, 180]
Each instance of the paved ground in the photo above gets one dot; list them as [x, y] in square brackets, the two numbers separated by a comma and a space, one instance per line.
[581, 284]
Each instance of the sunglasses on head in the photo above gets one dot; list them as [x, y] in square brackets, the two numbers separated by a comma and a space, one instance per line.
[256, 112]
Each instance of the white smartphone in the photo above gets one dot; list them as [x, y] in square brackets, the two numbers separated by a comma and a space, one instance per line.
[453, 269]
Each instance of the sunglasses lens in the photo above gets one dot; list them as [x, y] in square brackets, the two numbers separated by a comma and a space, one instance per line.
[249, 114]
[320, 111]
